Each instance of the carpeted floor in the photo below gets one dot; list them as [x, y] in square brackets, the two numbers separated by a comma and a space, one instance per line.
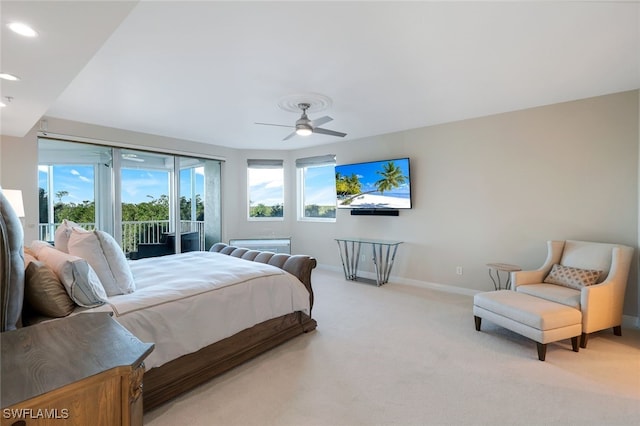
[405, 355]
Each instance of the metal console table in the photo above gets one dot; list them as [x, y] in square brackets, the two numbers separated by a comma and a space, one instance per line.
[384, 253]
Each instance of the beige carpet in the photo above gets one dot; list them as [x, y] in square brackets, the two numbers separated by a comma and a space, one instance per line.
[404, 355]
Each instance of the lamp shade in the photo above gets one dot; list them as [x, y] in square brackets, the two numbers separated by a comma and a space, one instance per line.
[14, 196]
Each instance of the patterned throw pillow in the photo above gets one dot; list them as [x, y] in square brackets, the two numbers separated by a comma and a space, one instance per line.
[572, 277]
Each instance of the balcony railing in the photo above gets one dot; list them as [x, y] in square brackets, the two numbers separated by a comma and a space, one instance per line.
[47, 231]
[134, 233]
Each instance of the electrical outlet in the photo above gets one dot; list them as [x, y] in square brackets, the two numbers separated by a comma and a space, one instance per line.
[459, 270]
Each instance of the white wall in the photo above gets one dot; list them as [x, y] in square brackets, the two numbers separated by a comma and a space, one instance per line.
[492, 189]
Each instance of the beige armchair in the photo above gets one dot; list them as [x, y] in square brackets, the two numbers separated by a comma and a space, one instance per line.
[601, 304]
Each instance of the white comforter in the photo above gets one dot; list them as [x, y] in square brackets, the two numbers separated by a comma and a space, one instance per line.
[187, 301]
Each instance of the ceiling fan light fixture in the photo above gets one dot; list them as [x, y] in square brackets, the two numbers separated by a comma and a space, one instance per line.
[302, 130]
[305, 127]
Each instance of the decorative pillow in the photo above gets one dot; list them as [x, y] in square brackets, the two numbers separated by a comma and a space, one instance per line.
[36, 245]
[61, 237]
[572, 277]
[29, 257]
[105, 257]
[78, 278]
[44, 292]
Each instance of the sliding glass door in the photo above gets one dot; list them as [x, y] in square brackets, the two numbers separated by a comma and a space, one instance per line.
[153, 203]
[145, 202]
[199, 202]
[72, 182]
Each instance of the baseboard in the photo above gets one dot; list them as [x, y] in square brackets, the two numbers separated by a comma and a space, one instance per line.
[628, 321]
[436, 286]
[406, 281]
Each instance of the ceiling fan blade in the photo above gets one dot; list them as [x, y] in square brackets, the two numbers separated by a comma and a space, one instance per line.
[320, 121]
[328, 132]
[271, 124]
[292, 134]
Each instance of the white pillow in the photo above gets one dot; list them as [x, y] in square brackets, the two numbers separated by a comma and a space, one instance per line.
[77, 276]
[117, 262]
[36, 245]
[106, 258]
[63, 232]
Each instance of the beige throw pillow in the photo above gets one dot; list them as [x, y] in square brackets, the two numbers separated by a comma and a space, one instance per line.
[44, 292]
[572, 277]
[77, 276]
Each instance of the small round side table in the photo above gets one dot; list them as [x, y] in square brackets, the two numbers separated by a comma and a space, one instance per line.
[501, 267]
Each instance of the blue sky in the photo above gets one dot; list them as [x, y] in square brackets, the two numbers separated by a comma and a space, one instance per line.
[137, 185]
[367, 175]
[320, 186]
[266, 186]
[141, 185]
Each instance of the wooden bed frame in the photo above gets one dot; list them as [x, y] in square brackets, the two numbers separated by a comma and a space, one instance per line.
[182, 374]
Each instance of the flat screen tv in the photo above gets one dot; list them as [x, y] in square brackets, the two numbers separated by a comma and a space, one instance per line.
[373, 185]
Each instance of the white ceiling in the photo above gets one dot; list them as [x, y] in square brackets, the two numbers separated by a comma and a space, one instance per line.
[207, 71]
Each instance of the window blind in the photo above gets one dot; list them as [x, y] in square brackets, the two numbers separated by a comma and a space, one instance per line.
[320, 160]
[265, 164]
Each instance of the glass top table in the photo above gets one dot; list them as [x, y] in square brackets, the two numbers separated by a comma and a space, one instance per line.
[384, 254]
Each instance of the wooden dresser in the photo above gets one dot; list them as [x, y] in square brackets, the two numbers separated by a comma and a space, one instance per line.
[81, 370]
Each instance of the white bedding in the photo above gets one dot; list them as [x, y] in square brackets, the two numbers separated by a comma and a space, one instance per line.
[187, 301]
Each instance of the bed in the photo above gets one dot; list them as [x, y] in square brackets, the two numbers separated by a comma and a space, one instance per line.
[177, 365]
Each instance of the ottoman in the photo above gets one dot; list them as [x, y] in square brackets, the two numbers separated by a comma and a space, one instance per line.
[530, 316]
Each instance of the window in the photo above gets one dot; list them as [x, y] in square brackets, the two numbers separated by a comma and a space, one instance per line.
[139, 197]
[69, 178]
[265, 183]
[317, 188]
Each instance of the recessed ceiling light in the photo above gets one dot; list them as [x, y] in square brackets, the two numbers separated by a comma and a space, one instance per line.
[2, 105]
[22, 29]
[9, 77]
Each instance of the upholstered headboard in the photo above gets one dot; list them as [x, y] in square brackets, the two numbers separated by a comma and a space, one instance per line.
[11, 267]
[298, 265]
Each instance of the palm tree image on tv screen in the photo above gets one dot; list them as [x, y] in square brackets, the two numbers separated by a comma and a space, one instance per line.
[374, 185]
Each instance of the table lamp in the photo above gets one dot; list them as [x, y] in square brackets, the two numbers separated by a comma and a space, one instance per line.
[14, 197]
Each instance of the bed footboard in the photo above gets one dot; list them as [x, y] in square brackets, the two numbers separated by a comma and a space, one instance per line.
[176, 377]
[183, 374]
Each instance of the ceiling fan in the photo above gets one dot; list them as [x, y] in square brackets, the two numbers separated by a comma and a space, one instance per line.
[304, 126]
